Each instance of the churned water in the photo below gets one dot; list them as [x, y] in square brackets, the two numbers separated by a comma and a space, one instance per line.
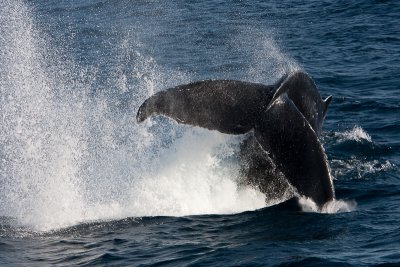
[81, 183]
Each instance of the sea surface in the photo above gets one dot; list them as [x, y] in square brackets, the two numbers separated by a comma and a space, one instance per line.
[81, 183]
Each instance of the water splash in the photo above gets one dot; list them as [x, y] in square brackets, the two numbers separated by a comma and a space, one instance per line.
[68, 155]
[42, 135]
[356, 134]
[334, 206]
[197, 179]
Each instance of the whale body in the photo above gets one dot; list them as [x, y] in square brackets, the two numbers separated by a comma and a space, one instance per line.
[286, 120]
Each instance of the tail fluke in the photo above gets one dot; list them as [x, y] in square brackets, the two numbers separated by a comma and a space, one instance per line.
[296, 150]
[224, 105]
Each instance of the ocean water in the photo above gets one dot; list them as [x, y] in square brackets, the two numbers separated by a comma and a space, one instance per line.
[81, 183]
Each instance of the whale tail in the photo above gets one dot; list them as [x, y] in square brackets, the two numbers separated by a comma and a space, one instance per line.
[286, 119]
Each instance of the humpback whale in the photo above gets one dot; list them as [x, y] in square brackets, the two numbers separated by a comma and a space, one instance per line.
[286, 120]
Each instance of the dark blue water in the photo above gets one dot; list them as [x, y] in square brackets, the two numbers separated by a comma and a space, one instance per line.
[83, 184]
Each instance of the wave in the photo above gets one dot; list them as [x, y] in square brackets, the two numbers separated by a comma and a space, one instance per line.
[356, 134]
[354, 155]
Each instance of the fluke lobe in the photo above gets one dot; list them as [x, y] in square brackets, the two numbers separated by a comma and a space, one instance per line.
[286, 119]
